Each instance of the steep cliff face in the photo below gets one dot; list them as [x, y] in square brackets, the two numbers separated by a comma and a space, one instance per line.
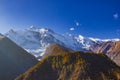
[73, 66]
[112, 50]
[13, 59]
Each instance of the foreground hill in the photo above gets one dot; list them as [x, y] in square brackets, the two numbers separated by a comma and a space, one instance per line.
[73, 66]
[55, 49]
[112, 50]
[13, 59]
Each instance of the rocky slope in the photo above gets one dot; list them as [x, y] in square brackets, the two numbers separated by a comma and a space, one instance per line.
[73, 66]
[13, 59]
[111, 49]
[54, 49]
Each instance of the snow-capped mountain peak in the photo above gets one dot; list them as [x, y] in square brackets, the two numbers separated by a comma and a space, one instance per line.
[42, 30]
[1, 36]
[95, 39]
[106, 40]
[36, 40]
[32, 27]
[80, 37]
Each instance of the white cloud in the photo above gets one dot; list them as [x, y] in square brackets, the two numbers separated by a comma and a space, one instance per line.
[77, 23]
[72, 29]
[115, 16]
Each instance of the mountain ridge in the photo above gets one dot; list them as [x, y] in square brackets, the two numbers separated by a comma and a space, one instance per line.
[41, 38]
[112, 50]
[54, 49]
[73, 66]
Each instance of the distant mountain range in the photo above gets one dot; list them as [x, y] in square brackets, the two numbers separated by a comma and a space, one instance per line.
[59, 54]
[36, 40]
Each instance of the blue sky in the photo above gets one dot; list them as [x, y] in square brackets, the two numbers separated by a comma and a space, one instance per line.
[95, 18]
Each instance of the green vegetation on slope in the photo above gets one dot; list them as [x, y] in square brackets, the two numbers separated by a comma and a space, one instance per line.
[73, 66]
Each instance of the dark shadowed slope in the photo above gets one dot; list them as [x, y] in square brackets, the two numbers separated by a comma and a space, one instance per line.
[73, 66]
[13, 59]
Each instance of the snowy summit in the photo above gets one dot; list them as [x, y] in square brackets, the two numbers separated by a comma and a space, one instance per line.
[36, 40]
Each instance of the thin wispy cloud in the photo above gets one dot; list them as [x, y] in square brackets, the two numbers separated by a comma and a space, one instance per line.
[77, 23]
[72, 29]
[116, 16]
